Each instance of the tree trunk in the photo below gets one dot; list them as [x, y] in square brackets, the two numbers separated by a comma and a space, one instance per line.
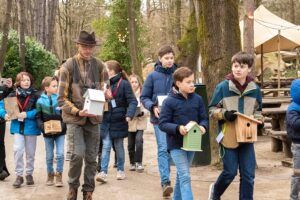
[219, 39]
[293, 18]
[5, 34]
[22, 46]
[177, 16]
[248, 35]
[133, 7]
[52, 9]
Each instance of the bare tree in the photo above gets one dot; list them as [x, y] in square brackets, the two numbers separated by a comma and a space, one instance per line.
[248, 46]
[22, 46]
[5, 34]
[132, 9]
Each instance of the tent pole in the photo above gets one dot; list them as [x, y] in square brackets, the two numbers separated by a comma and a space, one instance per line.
[279, 56]
[262, 65]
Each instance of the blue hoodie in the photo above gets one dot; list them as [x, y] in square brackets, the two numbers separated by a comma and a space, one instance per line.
[159, 82]
[293, 113]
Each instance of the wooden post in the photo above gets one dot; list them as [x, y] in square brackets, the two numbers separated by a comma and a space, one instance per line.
[279, 56]
[262, 65]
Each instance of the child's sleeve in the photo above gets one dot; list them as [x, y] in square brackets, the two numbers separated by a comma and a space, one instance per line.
[147, 92]
[166, 119]
[203, 118]
[39, 115]
[258, 105]
[293, 120]
[131, 99]
[216, 110]
[2, 110]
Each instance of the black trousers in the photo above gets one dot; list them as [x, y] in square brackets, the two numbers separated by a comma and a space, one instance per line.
[135, 146]
[2, 148]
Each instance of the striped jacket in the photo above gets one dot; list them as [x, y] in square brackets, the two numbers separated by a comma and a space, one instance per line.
[227, 97]
[76, 76]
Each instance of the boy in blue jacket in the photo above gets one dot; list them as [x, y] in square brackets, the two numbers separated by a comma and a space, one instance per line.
[180, 107]
[159, 83]
[293, 132]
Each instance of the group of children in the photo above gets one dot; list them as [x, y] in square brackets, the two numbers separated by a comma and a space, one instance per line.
[121, 119]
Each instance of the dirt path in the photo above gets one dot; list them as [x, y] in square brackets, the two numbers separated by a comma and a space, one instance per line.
[272, 180]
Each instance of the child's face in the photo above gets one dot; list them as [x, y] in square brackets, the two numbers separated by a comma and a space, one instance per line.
[187, 85]
[25, 82]
[240, 71]
[134, 83]
[52, 88]
[110, 73]
[167, 60]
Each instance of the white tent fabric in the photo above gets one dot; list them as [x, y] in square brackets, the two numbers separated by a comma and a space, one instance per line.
[266, 32]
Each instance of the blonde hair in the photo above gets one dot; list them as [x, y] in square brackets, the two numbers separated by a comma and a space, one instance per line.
[138, 79]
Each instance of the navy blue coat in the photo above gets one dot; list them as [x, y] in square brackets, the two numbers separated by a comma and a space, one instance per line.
[159, 82]
[114, 120]
[177, 110]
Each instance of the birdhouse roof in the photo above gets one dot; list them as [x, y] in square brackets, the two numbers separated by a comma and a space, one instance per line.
[248, 117]
[191, 125]
[94, 95]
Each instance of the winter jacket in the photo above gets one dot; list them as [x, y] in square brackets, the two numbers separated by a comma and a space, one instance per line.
[159, 82]
[73, 84]
[114, 120]
[177, 110]
[227, 97]
[293, 113]
[139, 122]
[4, 91]
[47, 109]
[29, 125]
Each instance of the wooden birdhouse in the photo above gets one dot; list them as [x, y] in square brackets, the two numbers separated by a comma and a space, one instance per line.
[52, 127]
[11, 107]
[192, 140]
[246, 128]
[94, 101]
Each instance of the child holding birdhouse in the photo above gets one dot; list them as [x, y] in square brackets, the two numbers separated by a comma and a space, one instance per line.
[237, 93]
[50, 123]
[24, 127]
[181, 107]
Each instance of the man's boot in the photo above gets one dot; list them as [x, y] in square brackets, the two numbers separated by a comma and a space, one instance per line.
[58, 181]
[87, 195]
[72, 194]
[29, 180]
[50, 179]
[18, 182]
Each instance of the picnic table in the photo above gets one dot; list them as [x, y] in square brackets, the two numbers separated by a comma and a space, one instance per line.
[275, 109]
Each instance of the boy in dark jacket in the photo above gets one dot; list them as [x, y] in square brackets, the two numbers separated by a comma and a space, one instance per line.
[237, 93]
[181, 107]
[5, 89]
[159, 83]
[47, 109]
[293, 131]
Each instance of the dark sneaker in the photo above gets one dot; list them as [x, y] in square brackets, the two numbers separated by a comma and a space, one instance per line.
[167, 190]
[18, 182]
[29, 180]
[72, 194]
[50, 179]
[87, 195]
[3, 175]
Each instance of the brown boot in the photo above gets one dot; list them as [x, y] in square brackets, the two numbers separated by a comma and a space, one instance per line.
[29, 180]
[58, 180]
[87, 195]
[72, 194]
[50, 179]
[18, 182]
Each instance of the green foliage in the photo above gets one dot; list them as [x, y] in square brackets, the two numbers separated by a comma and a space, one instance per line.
[114, 29]
[38, 61]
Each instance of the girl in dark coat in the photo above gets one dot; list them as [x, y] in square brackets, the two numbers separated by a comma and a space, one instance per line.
[119, 109]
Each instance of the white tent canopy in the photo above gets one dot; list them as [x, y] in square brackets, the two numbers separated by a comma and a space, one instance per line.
[268, 28]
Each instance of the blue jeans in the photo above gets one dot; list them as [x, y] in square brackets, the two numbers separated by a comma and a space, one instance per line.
[295, 179]
[163, 155]
[119, 146]
[182, 160]
[242, 158]
[58, 141]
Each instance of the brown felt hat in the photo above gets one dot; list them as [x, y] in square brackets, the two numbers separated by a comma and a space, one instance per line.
[86, 38]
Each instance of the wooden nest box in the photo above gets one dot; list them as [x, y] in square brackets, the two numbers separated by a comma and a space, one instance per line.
[246, 128]
[193, 140]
